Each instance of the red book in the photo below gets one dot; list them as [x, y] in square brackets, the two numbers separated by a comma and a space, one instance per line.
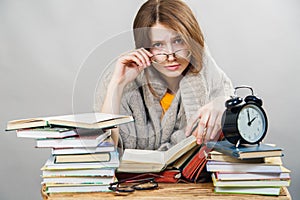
[166, 176]
[192, 170]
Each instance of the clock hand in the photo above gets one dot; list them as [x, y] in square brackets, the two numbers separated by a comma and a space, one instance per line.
[249, 123]
[248, 114]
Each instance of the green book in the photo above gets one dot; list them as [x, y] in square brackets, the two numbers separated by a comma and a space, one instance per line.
[249, 190]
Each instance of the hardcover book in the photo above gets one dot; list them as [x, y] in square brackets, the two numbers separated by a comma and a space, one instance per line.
[87, 140]
[218, 156]
[137, 160]
[78, 180]
[84, 120]
[245, 151]
[195, 165]
[181, 162]
[77, 189]
[77, 158]
[218, 166]
[250, 183]
[78, 172]
[249, 190]
[47, 132]
[251, 176]
[106, 146]
[51, 165]
[165, 176]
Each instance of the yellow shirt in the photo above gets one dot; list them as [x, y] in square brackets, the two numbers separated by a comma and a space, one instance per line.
[166, 101]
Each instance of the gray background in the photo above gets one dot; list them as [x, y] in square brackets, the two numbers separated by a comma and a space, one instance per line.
[43, 45]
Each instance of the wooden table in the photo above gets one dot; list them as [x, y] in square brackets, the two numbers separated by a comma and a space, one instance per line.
[180, 191]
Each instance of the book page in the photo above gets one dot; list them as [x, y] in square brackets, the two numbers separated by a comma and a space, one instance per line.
[85, 120]
[180, 161]
[25, 120]
[164, 157]
[144, 156]
[179, 149]
[88, 118]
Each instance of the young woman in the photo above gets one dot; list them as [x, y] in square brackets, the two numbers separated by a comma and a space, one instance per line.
[169, 83]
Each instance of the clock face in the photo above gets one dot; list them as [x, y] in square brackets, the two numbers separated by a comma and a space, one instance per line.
[251, 123]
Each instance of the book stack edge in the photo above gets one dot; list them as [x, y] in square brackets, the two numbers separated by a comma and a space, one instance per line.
[259, 172]
[82, 159]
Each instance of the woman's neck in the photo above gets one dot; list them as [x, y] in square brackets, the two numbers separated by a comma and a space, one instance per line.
[173, 83]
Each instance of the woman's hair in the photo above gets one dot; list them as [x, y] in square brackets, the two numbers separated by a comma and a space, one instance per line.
[176, 15]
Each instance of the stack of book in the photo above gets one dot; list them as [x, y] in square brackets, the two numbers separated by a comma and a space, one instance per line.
[252, 169]
[83, 157]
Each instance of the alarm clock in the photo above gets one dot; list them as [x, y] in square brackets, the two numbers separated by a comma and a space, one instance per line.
[244, 121]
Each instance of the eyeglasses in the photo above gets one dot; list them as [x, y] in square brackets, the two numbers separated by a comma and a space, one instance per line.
[179, 54]
[130, 185]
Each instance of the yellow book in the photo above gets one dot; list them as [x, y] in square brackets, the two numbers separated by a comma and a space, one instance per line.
[93, 157]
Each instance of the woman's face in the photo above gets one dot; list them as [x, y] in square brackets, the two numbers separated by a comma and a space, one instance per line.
[166, 41]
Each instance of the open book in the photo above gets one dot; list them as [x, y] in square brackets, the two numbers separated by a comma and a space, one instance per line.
[139, 161]
[84, 120]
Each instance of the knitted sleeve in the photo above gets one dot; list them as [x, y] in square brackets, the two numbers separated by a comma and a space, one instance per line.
[218, 82]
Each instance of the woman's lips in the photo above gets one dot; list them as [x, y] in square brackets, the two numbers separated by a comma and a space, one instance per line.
[172, 67]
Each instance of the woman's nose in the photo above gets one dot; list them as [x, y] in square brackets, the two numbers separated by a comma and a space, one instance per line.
[171, 57]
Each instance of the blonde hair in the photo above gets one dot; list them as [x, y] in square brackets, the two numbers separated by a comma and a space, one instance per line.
[176, 15]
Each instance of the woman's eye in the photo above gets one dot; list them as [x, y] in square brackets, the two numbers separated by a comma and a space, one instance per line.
[178, 41]
[157, 45]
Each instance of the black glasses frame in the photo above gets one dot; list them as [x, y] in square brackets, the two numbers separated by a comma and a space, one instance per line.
[138, 184]
[174, 54]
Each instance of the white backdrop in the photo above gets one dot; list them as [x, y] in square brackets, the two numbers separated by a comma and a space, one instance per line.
[44, 43]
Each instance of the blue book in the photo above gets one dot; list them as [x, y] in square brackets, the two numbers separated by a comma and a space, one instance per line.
[245, 151]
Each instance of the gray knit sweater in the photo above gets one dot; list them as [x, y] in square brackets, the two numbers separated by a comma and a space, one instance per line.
[149, 130]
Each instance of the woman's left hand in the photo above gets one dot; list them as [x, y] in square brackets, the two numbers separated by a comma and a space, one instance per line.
[209, 121]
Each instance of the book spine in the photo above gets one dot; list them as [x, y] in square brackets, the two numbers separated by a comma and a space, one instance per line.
[224, 150]
[235, 154]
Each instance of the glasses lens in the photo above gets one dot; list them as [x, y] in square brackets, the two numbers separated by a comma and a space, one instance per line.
[159, 58]
[146, 186]
[183, 53]
[124, 189]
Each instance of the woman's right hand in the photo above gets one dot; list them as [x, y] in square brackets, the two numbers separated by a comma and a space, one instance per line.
[130, 65]
[127, 68]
